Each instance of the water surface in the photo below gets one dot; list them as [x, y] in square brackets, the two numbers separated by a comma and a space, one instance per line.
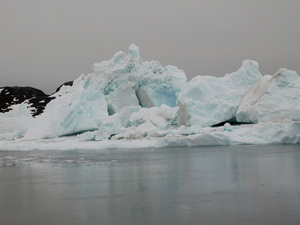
[199, 185]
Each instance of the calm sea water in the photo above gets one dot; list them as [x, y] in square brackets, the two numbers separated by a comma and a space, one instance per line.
[199, 185]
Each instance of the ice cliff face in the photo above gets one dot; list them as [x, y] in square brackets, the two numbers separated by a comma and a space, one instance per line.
[208, 100]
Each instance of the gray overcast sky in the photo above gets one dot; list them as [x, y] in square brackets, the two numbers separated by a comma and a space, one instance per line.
[44, 43]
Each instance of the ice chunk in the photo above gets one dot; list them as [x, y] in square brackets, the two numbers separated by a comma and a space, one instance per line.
[208, 100]
[130, 133]
[147, 128]
[144, 122]
[273, 98]
[143, 130]
[227, 127]
[111, 126]
[123, 97]
[125, 114]
[134, 51]
[162, 117]
[87, 136]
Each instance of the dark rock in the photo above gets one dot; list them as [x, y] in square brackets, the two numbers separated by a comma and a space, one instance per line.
[69, 83]
[38, 104]
[15, 95]
[232, 122]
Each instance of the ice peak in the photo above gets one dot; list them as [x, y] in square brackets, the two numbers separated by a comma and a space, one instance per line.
[251, 63]
[134, 51]
[284, 76]
[284, 71]
[278, 72]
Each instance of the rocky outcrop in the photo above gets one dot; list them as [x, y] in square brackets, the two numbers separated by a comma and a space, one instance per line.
[35, 99]
[15, 95]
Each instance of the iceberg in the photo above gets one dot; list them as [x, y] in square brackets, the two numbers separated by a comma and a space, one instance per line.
[129, 103]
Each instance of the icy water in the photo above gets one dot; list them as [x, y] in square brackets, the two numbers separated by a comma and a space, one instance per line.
[200, 185]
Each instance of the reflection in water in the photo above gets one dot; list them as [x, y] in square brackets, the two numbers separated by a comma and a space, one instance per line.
[207, 185]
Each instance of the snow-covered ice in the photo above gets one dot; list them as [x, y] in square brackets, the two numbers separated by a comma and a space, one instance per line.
[130, 103]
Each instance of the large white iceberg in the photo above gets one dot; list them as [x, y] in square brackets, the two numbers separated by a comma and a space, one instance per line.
[208, 100]
[130, 103]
